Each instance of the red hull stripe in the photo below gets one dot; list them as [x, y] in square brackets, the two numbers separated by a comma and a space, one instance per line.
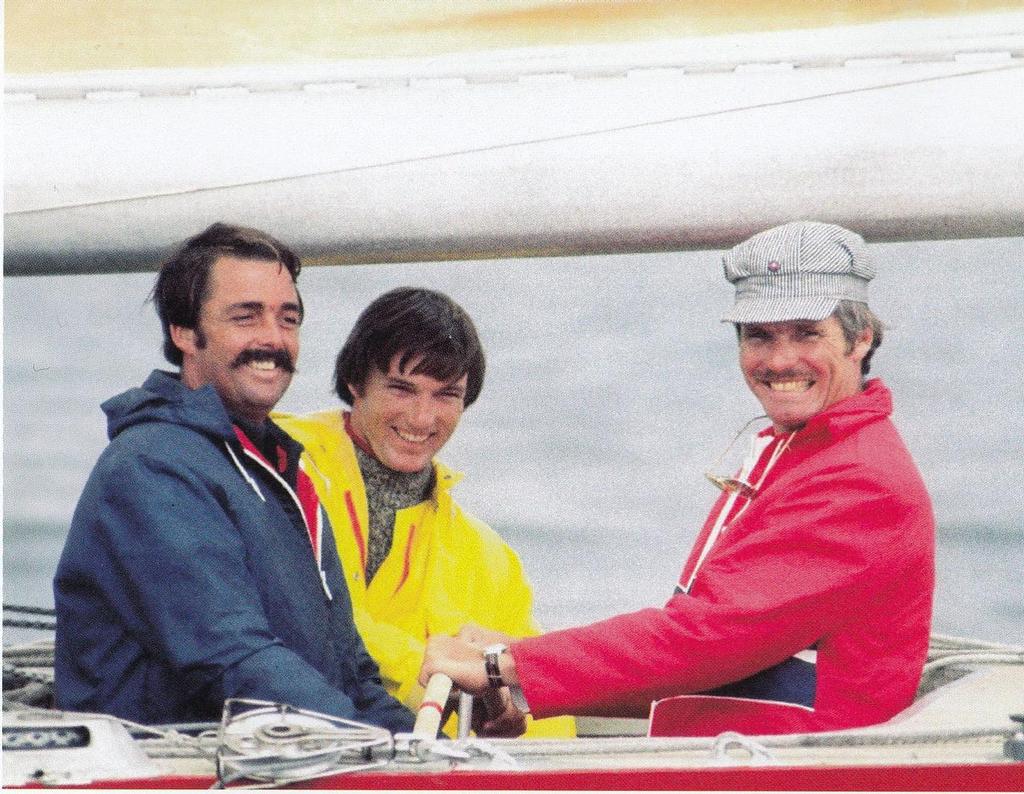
[935, 777]
[353, 518]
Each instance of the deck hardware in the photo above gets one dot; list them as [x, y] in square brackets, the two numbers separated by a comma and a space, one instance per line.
[758, 753]
[1014, 746]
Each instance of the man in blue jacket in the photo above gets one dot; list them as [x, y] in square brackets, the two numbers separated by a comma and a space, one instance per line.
[199, 565]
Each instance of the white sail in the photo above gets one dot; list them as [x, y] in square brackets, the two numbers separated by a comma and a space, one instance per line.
[901, 130]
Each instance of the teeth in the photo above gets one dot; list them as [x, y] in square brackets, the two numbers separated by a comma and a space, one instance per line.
[412, 438]
[263, 365]
[790, 385]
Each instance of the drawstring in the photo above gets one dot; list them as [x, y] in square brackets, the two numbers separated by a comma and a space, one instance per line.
[241, 468]
[315, 530]
[307, 458]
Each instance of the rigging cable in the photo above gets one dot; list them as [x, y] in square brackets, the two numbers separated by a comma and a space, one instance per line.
[17, 623]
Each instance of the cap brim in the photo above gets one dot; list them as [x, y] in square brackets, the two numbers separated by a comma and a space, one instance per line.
[777, 310]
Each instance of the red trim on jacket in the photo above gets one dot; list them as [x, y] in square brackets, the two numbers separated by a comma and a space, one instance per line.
[304, 490]
[406, 560]
[304, 495]
[353, 519]
[357, 439]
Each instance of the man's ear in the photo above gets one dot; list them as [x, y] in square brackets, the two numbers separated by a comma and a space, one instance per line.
[354, 390]
[862, 344]
[184, 339]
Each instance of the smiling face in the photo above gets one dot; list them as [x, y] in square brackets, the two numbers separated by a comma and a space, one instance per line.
[404, 417]
[798, 368]
[246, 342]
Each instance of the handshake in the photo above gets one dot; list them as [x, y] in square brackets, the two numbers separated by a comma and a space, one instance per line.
[461, 658]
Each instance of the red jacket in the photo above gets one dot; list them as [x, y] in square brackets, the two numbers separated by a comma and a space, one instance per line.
[835, 552]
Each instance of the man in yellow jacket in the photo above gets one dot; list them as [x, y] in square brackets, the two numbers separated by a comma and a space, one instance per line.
[416, 563]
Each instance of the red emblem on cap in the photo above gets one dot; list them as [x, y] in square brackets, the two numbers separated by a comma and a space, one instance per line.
[773, 266]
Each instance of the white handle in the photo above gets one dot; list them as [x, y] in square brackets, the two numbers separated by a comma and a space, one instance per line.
[428, 718]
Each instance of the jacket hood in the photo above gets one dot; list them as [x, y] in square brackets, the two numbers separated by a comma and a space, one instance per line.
[163, 398]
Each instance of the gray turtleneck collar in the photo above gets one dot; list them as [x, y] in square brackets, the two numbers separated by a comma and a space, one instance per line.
[387, 492]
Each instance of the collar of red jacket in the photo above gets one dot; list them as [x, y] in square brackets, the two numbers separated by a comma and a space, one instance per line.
[874, 402]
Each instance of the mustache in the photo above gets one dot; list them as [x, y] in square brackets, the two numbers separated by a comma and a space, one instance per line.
[281, 358]
[782, 374]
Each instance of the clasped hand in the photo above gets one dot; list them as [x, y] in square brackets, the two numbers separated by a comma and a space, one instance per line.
[461, 658]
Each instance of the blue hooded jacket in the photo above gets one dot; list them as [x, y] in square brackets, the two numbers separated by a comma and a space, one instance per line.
[185, 580]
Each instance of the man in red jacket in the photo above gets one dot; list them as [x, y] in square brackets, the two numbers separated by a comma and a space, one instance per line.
[805, 603]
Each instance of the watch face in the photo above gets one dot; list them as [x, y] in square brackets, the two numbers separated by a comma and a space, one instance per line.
[497, 648]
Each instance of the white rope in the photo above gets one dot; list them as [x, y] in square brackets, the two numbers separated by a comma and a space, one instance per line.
[973, 658]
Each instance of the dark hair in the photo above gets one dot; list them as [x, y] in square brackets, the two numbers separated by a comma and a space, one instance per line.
[182, 286]
[415, 323]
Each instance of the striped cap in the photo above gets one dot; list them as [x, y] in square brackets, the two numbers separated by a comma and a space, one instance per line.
[797, 271]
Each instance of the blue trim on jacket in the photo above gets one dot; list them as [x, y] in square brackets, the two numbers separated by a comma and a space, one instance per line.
[791, 681]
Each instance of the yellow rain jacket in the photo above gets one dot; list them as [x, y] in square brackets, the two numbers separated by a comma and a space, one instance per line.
[445, 568]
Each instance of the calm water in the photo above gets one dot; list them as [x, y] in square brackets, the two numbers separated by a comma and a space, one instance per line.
[610, 387]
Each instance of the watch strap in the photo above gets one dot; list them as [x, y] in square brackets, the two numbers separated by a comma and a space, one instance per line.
[491, 655]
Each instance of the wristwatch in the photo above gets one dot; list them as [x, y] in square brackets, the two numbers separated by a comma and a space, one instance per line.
[491, 655]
